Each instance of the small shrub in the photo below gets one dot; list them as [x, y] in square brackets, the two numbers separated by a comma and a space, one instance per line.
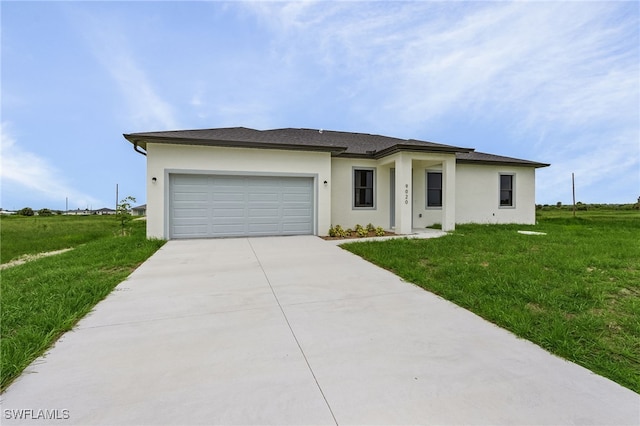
[361, 232]
[370, 227]
[339, 232]
[348, 232]
[358, 227]
[332, 231]
[123, 214]
[27, 211]
[45, 212]
[379, 231]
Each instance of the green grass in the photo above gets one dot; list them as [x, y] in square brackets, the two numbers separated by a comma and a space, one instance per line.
[30, 235]
[574, 291]
[46, 297]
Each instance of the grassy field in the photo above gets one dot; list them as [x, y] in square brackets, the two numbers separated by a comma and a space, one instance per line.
[29, 235]
[574, 291]
[46, 297]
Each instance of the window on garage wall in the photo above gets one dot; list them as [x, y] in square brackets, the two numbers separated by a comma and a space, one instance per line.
[364, 188]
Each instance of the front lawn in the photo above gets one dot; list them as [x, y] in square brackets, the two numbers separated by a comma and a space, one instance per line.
[46, 297]
[574, 291]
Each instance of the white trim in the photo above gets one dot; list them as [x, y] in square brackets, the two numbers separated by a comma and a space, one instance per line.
[426, 189]
[353, 187]
[513, 189]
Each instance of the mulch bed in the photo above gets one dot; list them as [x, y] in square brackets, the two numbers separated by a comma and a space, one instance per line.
[355, 236]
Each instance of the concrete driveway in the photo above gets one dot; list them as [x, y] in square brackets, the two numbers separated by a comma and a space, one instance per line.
[294, 330]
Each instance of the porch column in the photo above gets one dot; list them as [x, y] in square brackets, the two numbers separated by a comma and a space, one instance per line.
[449, 194]
[404, 193]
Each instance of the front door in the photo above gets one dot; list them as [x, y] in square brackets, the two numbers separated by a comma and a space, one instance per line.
[392, 201]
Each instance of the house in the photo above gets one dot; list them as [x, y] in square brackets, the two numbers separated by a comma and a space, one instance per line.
[104, 211]
[238, 181]
[139, 210]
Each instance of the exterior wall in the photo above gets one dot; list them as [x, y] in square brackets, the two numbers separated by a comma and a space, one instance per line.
[342, 211]
[478, 192]
[163, 159]
[477, 195]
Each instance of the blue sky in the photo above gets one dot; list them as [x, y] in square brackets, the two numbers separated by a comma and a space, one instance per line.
[555, 82]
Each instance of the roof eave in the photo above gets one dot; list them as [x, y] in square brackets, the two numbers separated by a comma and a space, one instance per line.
[416, 148]
[143, 140]
[502, 163]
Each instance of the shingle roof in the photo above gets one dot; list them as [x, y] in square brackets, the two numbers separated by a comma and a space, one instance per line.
[481, 157]
[341, 144]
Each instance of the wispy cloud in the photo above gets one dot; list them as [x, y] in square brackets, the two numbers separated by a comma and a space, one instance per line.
[145, 107]
[21, 170]
[563, 76]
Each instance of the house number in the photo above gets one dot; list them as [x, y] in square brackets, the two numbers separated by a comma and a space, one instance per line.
[406, 193]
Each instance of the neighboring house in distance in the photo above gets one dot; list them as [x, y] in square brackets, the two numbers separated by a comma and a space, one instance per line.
[103, 211]
[78, 212]
[243, 182]
[139, 210]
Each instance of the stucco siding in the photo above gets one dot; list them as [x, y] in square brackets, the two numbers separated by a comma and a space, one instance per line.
[342, 211]
[478, 194]
[164, 159]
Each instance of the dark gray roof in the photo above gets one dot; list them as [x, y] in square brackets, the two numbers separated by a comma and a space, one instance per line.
[481, 157]
[340, 144]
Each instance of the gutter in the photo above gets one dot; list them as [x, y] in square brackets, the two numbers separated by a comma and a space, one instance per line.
[137, 149]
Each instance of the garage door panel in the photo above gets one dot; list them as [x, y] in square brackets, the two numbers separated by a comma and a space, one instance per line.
[258, 197]
[227, 230]
[227, 213]
[224, 206]
[228, 196]
[190, 196]
[190, 213]
[258, 213]
[198, 180]
[191, 231]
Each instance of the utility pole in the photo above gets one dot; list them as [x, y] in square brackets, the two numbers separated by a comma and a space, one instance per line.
[116, 197]
[573, 189]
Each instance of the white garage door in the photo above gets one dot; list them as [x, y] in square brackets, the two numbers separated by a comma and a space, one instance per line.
[203, 206]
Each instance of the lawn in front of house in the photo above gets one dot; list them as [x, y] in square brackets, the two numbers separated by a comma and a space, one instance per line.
[44, 298]
[574, 291]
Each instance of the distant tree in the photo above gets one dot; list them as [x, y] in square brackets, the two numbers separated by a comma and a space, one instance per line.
[45, 212]
[123, 213]
[559, 204]
[27, 211]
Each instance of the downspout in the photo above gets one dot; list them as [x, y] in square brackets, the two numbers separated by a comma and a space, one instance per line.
[137, 149]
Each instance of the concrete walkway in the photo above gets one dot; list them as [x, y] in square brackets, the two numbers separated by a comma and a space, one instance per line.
[294, 330]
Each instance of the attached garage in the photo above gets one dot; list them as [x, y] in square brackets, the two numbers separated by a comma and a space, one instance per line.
[207, 206]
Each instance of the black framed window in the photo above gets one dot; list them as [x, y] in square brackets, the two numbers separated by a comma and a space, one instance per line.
[506, 190]
[363, 188]
[434, 189]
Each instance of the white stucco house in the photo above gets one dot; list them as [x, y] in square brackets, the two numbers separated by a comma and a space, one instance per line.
[243, 182]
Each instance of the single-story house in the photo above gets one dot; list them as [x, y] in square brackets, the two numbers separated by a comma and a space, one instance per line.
[140, 210]
[104, 211]
[238, 181]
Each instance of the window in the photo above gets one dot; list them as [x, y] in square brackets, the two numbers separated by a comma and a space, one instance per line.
[363, 188]
[506, 190]
[434, 189]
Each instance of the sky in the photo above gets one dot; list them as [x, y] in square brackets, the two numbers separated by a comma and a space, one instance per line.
[553, 82]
